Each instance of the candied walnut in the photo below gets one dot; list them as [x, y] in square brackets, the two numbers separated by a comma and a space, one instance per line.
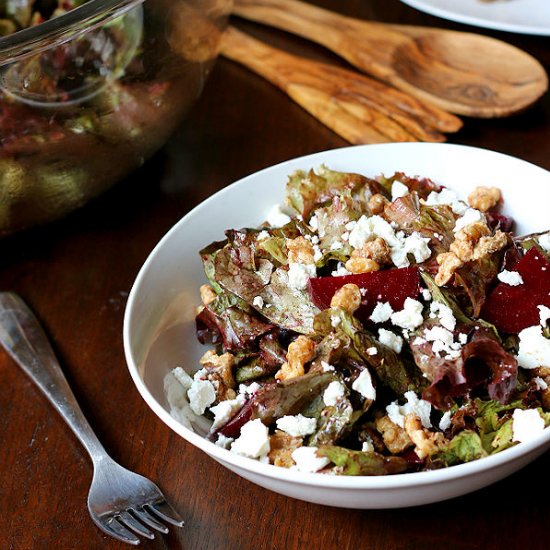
[448, 264]
[426, 442]
[395, 438]
[544, 373]
[281, 446]
[207, 294]
[484, 198]
[347, 298]
[300, 251]
[377, 250]
[377, 203]
[466, 240]
[361, 265]
[220, 368]
[300, 351]
[490, 245]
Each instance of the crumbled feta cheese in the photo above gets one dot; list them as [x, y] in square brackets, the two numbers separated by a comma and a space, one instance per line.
[370, 227]
[417, 245]
[398, 189]
[544, 241]
[223, 441]
[470, 216]
[253, 441]
[363, 385]
[540, 383]
[446, 196]
[442, 339]
[410, 317]
[201, 394]
[445, 422]
[200, 374]
[444, 313]
[419, 407]
[299, 275]
[225, 410]
[314, 222]
[512, 278]
[544, 313]
[534, 348]
[390, 339]
[381, 313]
[526, 425]
[372, 351]
[249, 390]
[368, 446]
[182, 377]
[426, 294]
[262, 235]
[258, 302]
[462, 338]
[307, 460]
[335, 321]
[277, 217]
[333, 393]
[418, 341]
[297, 426]
[326, 366]
[317, 254]
[336, 245]
[345, 236]
[340, 270]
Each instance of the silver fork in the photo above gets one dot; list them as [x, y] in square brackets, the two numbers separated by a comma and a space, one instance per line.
[121, 503]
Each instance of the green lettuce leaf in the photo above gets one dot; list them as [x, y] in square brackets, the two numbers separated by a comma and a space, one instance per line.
[393, 371]
[358, 463]
[464, 447]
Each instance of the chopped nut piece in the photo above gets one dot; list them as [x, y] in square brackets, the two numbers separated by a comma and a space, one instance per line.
[395, 438]
[472, 242]
[544, 373]
[490, 245]
[300, 251]
[466, 240]
[484, 198]
[361, 265]
[448, 264]
[377, 203]
[377, 250]
[426, 442]
[347, 298]
[281, 447]
[207, 294]
[220, 368]
[299, 353]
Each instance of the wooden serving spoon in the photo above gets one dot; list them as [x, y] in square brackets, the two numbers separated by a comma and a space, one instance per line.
[356, 107]
[461, 72]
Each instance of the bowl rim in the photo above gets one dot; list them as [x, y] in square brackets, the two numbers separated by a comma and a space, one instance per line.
[394, 481]
[53, 32]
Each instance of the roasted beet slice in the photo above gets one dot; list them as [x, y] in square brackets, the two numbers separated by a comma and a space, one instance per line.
[513, 308]
[391, 285]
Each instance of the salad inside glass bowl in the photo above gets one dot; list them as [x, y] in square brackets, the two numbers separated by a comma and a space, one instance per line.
[372, 327]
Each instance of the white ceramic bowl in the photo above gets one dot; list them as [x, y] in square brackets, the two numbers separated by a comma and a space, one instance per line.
[159, 331]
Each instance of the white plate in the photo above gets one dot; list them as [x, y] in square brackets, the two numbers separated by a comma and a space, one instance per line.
[522, 16]
[159, 331]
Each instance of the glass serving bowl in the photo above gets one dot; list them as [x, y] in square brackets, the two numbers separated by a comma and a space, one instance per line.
[87, 96]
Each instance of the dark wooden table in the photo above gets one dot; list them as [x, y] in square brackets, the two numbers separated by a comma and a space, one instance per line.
[77, 273]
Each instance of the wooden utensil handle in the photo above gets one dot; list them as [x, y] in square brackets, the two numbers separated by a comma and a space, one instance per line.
[332, 30]
[354, 106]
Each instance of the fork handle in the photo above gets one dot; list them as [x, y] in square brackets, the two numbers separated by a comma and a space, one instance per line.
[25, 341]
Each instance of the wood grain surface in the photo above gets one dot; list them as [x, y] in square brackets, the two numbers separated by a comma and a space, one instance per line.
[76, 275]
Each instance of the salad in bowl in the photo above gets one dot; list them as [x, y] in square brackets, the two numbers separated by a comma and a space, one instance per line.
[371, 326]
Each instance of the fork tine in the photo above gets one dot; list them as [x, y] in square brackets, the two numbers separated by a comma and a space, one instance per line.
[130, 521]
[167, 513]
[112, 527]
[144, 516]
